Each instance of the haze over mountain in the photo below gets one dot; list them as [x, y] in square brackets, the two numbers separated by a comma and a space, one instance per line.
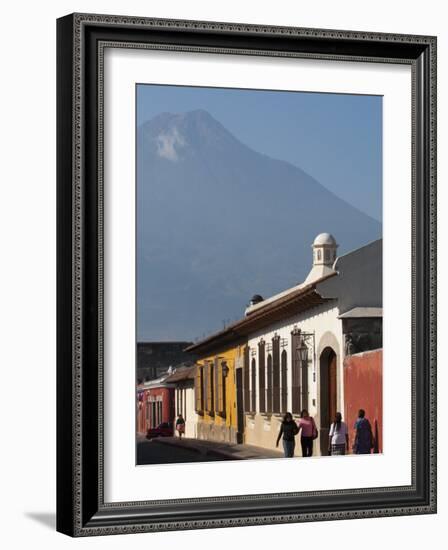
[218, 222]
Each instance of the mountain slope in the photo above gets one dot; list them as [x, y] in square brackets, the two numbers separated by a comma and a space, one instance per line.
[218, 222]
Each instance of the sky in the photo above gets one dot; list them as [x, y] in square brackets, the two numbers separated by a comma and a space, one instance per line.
[336, 138]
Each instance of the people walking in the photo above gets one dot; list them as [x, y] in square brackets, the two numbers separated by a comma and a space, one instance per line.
[288, 429]
[363, 435]
[180, 425]
[308, 434]
[338, 436]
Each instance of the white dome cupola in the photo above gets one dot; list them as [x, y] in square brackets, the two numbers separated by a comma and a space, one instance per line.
[324, 249]
[324, 255]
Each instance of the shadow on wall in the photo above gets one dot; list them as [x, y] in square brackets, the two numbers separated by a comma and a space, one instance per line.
[48, 519]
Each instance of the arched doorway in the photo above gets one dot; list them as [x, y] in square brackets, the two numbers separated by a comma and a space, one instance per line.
[328, 395]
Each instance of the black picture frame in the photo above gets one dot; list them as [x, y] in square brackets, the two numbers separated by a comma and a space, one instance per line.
[81, 510]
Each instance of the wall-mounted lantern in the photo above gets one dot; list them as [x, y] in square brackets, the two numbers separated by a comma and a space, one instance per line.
[302, 353]
[225, 369]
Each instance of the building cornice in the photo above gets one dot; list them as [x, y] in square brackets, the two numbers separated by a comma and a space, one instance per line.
[298, 300]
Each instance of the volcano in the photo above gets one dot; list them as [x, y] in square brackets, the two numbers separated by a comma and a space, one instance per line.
[218, 222]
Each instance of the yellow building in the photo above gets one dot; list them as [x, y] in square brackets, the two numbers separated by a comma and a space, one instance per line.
[219, 388]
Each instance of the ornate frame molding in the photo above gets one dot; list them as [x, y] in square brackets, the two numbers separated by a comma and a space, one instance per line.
[81, 42]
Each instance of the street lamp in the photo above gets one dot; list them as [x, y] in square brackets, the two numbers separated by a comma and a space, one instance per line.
[302, 356]
[302, 352]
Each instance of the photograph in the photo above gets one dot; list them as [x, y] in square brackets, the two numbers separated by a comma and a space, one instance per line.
[259, 274]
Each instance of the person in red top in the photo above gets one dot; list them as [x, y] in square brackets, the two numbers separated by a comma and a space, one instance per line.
[308, 433]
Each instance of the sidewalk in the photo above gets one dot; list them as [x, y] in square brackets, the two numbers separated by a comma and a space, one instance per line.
[226, 451]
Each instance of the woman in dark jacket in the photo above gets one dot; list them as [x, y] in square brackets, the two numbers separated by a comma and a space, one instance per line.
[363, 435]
[288, 429]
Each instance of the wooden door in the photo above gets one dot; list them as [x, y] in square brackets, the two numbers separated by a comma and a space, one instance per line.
[239, 406]
[332, 387]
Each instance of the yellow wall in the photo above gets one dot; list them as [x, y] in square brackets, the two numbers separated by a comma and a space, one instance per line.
[231, 355]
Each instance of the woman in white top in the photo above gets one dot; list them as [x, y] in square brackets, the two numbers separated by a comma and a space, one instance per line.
[338, 436]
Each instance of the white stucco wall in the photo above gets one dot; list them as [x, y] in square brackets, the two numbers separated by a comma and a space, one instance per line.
[188, 410]
[262, 429]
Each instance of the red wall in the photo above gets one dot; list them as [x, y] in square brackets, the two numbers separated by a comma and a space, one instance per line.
[167, 398]
[167, 395]
[141, 411]
[363, 389]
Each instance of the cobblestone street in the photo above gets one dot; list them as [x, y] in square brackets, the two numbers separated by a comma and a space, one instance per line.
[156, 451]
[172, 450]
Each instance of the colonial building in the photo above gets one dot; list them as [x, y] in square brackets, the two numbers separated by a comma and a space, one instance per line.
[184, 398]
[155, 403]
[291, 347]
[218, 387]
[296, 357]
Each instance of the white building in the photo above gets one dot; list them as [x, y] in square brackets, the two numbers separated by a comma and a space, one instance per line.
[297, 349]
[184, 398]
